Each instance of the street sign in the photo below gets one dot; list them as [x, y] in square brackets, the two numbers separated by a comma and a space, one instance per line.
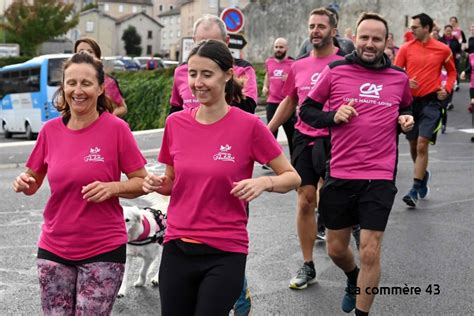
[233, 19]
[187, 45]
[237, 41]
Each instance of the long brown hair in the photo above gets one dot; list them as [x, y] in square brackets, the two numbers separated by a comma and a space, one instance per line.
[59, 98]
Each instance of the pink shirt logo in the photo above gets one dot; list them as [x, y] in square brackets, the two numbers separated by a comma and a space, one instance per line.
[370, 90]
[278, 73]
[94, 155]
[314, 78]
[224, 154]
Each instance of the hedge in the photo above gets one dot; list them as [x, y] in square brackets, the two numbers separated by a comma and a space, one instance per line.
[147, 94]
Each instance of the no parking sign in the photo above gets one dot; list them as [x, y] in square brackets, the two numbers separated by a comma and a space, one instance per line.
[233, 19]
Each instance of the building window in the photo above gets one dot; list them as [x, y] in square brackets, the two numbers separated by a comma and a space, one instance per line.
[121, 8]
[106, 7]
[172, 20]
[89, 26]
[149, 50]
[143, 8]
[161, 8]
[171, 34]
[150, 34]
[178, 33]
[171, 7]
[178, 20]
[164, 34]
[134, 9]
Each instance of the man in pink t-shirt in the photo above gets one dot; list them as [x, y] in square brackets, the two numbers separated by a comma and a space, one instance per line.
[364, 100]
[211, 27]
[276, 72]
[309, 144]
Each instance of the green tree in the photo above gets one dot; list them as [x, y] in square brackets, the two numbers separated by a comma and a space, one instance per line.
[30, 24]
[132, 41]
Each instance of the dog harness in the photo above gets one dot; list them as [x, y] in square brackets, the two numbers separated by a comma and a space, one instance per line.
[158, 237]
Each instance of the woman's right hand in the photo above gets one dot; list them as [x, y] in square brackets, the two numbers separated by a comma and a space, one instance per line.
[153, 183]
[23, 182]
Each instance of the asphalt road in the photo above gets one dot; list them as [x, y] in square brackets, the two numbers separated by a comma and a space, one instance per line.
[431, 245]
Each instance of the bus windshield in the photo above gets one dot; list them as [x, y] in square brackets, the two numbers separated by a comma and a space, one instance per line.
[55, 71]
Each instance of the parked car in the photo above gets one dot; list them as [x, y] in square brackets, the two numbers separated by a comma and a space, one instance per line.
[113, 63]
[130, 64]
[143, 60]
[170, 63]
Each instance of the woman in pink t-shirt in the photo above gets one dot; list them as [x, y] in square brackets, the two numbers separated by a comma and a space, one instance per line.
[82, 246]
[111, 86]
[209, 152]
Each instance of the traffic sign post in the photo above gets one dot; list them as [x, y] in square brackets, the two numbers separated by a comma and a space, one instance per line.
[233, 19]
[236, 41]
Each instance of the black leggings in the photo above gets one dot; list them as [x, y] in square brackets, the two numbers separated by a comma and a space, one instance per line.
[199, 284]
[288, 126]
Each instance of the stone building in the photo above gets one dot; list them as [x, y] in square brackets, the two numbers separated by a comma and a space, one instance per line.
[267, 20]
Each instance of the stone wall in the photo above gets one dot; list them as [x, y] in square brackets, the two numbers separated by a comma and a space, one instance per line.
[266, 20]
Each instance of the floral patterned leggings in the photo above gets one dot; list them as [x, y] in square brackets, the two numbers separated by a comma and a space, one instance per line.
[88, 289]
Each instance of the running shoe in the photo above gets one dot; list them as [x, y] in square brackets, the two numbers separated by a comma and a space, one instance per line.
[305, 276]
[266, 167]
[356, 235]
[349, 299]
[424, 189]
[244, 303]
[321, 235]
[411, 198]
[450, 106]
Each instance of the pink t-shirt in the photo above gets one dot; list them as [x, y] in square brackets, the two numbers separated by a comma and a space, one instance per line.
[303, 76]
[112, 91]
[181, 95]
[73, 228]
[277, 72]
[471, 61]
[207, 159]
[366, 147]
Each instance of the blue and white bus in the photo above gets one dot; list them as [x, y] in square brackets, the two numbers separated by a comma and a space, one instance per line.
[26, 92]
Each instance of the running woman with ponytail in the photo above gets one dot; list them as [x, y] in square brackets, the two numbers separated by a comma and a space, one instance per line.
[210, 183]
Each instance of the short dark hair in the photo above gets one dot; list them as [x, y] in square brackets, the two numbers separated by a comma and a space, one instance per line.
[92, 43]
[323, 11]
[103, 103]
[219, 53]
[453, 17]
[425, 20]
[373, 16]
[448, 26]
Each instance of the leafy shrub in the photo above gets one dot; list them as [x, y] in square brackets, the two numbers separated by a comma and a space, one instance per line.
[147, 94]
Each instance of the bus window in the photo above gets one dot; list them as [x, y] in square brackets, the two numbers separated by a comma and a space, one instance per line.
[34, 80]
[55, 71]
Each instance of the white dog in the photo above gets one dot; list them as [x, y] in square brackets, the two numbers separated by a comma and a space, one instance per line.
[145, 236]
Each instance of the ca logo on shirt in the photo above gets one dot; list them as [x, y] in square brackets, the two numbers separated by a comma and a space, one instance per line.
[314, 78]
[370, 90]
[278, 72]
[94, 155]
[224, 154]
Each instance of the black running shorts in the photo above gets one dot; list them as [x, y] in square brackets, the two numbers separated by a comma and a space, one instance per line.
[310, 163]
[427, 115]
[345, 203]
